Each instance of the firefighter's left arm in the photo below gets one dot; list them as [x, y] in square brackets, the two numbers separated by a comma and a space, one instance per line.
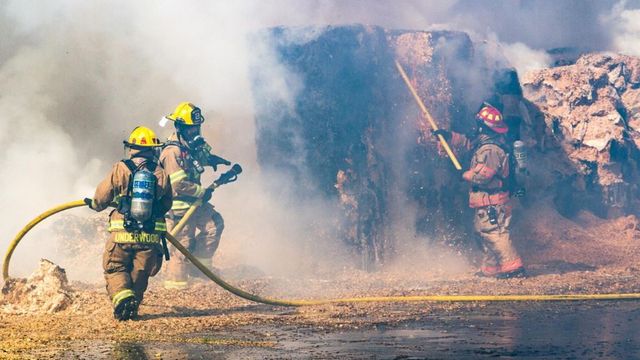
[487, 163]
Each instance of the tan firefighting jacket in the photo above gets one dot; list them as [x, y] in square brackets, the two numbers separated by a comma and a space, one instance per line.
[488, 171]
[488, 174]
[185, 179]
[114, 187]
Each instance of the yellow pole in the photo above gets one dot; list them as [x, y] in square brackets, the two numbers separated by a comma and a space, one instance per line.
[426, 113]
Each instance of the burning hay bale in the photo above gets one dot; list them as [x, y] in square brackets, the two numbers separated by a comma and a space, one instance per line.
[361, 140]
[45, 291]
[354, 134]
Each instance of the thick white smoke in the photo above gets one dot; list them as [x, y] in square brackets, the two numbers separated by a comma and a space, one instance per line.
[626, 25]
[77, 76]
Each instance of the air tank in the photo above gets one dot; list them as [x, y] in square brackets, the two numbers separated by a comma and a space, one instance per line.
[520, 154]
[142, 193]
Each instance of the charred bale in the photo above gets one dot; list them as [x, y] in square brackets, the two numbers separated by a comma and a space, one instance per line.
[359, 135]
[354, 132]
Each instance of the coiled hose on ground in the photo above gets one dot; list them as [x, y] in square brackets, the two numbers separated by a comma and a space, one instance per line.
[252, 297]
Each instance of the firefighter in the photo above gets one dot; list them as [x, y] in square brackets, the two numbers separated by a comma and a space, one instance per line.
[489, 178]
[184, 156]
[141, 190]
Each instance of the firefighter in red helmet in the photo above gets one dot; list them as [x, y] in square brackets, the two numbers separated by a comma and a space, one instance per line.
[489, 195]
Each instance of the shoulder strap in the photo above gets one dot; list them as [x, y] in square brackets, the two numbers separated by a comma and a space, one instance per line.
[130, 165]
[502, 146]
[122, 208]
[489, 141]
[151, 165]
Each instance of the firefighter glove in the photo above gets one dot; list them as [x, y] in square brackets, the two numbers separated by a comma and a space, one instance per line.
[88, 201]
[446, 134]
[207, 195]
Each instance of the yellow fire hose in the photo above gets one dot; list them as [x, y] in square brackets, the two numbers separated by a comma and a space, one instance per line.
[235, 171]
[30, 225]
[176, 229]
[248, 296]
[426, 113]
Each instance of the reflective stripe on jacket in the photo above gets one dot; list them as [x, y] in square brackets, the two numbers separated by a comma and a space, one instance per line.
[181, 205]
[118, 225]
[481, 199]
[185, 180]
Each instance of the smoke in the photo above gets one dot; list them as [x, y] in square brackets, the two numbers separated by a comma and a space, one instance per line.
[77, 76]
[625, 23]
[524, 59]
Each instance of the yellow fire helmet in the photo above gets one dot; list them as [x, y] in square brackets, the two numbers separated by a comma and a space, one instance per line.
[185, 114]
[142, 137]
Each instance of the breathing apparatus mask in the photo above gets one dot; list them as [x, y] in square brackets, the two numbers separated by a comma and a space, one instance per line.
[200, 153]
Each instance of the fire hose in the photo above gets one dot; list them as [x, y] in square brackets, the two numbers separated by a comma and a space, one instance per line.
[259, 299]
[255, 298]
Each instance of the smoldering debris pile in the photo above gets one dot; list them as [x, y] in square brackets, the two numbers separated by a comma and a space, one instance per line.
[45, 291]
[355, 134]
[591, 114]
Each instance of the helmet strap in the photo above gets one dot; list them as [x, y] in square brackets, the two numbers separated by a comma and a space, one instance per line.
[179, 130]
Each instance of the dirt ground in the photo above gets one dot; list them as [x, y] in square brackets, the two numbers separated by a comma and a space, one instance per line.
[582, 255]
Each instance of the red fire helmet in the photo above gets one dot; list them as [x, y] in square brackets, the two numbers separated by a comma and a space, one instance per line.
[492, 118]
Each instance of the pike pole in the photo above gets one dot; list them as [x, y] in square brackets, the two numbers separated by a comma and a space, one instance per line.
[427, 115]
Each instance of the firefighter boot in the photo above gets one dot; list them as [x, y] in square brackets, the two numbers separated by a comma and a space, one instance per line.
[127, 309]
[517, 273]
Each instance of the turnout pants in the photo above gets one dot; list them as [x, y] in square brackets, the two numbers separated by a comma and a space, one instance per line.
[128, 266]
[201, 236]
[499, 254]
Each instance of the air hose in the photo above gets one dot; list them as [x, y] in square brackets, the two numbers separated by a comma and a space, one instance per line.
[252, 297]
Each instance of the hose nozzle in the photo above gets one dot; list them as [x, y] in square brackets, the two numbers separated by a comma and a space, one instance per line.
[229, 176]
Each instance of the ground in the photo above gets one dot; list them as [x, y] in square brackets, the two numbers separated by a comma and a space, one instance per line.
[582, 255]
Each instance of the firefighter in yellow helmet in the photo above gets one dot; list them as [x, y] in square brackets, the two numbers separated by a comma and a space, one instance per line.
[184, 157]
[141, 190]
